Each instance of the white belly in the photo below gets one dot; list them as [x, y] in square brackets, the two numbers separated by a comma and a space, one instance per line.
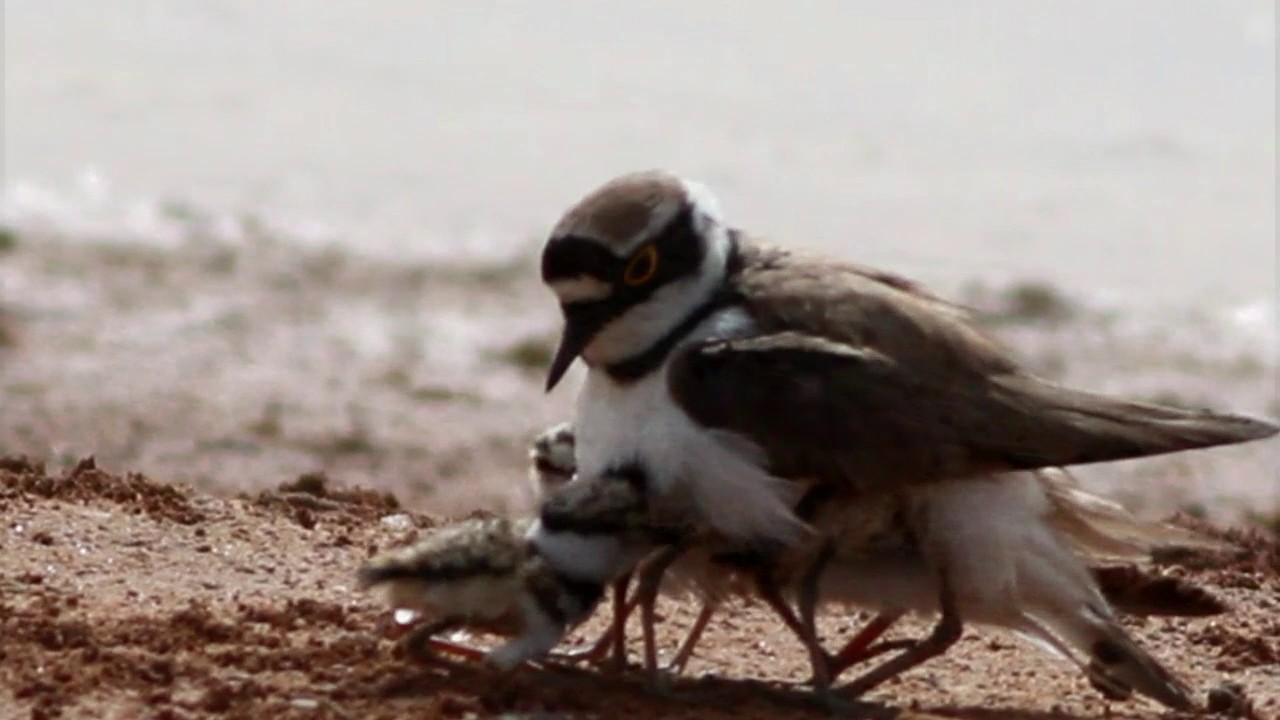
[719, 478]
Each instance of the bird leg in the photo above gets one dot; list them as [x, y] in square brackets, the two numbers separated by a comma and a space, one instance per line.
[682, 656]
[807, 602]
[860, 647]
[768, 591]
[944, 635]
[650, 581]
[421, 644]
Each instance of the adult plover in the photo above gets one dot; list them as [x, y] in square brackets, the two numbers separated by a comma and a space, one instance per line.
[721, 371]
[727, 368]
[482, 574]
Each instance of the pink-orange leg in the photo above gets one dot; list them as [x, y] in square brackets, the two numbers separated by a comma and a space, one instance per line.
[944, 635]
[459, 649]
[682, 656]
[860, 647]
[650, 580]
[421, 644]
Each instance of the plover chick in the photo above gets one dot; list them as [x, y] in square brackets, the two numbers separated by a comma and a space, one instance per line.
[552, 465]
[551, 459]
[482, 574]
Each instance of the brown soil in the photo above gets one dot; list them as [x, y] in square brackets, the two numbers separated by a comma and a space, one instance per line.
[125, 597]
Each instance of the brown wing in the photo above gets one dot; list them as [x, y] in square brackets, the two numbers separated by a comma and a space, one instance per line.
[860, 306]
[875, 383]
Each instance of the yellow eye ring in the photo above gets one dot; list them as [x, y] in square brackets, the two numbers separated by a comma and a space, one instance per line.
[642, 267]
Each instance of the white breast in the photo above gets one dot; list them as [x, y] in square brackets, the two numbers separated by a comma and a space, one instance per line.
[717, 476]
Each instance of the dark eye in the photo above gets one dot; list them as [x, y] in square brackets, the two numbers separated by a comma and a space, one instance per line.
[643, 266]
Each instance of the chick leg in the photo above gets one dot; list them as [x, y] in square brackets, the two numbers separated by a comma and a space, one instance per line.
[768, 591]
[421, 644]
[859, 648]
[807, 602]
[647, 593]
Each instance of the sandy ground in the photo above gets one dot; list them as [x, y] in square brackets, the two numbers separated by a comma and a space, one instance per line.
[123, 597]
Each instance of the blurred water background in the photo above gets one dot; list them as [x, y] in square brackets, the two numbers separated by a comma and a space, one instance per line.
[1126, 147]
[1119, 152]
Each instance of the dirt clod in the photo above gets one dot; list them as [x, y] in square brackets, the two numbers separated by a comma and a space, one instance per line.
[1229, 699]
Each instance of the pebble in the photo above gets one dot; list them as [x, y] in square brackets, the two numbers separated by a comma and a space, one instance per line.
[399, 521]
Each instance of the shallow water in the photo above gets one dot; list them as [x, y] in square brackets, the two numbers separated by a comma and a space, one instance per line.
[1124, 149]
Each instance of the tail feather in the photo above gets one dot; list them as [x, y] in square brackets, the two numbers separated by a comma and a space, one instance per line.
[1062, 603]
[1114, 656]
[1060, 426]
[1101, 529]
[1112, 661]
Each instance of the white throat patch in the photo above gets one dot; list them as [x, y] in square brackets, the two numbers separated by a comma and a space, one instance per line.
[642, 325]
[583, 288]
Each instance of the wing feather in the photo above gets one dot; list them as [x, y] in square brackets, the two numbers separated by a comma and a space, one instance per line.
[862, 378]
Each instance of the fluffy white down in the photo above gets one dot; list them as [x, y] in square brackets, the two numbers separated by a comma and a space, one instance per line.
[1007, 566]
[997, 547]
[599, 558]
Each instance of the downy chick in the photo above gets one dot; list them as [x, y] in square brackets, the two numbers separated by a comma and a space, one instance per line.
[695, 572]
[483, 574]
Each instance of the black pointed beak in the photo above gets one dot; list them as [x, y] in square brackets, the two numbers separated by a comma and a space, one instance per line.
[581, 323]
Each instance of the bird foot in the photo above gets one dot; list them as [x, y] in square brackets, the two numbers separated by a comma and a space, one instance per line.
[591, 655]
[838, 705]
